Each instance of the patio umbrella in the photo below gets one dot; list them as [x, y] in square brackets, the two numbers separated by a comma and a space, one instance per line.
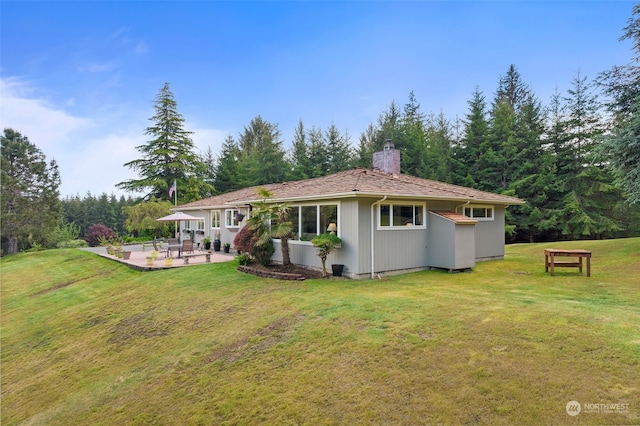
[177, 216]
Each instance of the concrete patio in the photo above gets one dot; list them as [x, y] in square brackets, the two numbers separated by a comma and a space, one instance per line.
[138, 258]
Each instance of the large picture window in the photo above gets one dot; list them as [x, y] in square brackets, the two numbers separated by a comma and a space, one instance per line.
[401, 216]
[479, 212]
[310, 220]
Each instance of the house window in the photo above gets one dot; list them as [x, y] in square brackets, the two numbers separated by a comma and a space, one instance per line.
[231, 218]
[310, 220]
[200, 225]
[401, 216]
[215, 218]
[479, 212]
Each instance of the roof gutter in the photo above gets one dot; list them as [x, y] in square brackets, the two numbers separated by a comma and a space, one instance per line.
[373, 227]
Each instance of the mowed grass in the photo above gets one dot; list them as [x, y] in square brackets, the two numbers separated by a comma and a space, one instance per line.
[88, 341]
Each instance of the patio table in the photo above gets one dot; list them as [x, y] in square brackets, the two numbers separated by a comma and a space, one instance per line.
[172, 247]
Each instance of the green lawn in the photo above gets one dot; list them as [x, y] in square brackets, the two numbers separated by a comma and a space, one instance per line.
[88, 341]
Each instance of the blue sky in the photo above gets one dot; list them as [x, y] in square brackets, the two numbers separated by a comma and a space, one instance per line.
[79, 78]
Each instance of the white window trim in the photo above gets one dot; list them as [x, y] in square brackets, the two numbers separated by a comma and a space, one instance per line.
[403, 227]
[234, 214]
[217, 213]
[480, 206]
[298, 206]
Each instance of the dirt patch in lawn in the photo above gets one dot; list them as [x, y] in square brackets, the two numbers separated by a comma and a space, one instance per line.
[142, 325]
[68, 283]
[261, 341]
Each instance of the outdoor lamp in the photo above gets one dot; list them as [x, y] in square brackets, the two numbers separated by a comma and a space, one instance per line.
[332, 228]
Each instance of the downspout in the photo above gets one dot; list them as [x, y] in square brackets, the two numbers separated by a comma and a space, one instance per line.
[461, 205]
[373, 227]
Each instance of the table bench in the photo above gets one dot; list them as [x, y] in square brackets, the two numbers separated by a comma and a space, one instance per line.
[550, 261]
[186, 257]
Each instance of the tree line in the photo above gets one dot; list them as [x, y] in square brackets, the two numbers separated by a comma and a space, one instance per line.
[575, 161]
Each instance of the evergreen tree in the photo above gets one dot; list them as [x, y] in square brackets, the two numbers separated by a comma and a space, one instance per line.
[363, 156]
[475, 134]
[496, 169]
[494, 163]
[411, 140]
[622, 84]
[389, 128]
[534, 178]
[439, 149]
[588, 192]
[167, 158]
[262, 157]
[300, 161]
[318, 153]
[338, 150]
[209, 173]
[30, 206]
[228, 167]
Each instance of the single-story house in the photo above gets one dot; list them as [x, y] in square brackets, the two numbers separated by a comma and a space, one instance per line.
[388, 222]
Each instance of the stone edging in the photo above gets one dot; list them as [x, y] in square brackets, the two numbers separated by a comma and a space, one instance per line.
[270, 274]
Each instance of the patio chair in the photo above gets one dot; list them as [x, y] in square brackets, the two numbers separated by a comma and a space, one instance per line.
[158, 249]
[187, 246]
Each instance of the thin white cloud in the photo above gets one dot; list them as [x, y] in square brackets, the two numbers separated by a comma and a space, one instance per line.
[90, 151]
[204, 138]
[98, 67]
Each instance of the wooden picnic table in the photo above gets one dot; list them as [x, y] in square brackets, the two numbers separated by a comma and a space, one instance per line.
[551, 263]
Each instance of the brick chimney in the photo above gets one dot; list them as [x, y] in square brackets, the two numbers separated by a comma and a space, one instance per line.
[387, 160]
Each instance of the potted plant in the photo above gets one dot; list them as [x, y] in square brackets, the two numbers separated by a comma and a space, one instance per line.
[325, 244]
[168, 261]
[227, 247]
[207, 243]
[126, 254]
[216, 241]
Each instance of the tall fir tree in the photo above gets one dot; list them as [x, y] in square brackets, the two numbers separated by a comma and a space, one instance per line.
[168, 157]
[318, 153]
[475, 134]
[30, 205]
[338, 150]
[439, 149]
[534, 178]
[208, 161]
[228, 167]
[301, 167]
[621, 148]
[363, 156]
[411, 139]
[262, 157]
[588, 191]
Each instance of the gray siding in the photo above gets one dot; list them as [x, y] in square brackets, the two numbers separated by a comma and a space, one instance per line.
[443, 244]
[451, 245]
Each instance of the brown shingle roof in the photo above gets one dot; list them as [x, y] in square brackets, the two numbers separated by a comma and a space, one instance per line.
[453, 216]
[357, 182]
